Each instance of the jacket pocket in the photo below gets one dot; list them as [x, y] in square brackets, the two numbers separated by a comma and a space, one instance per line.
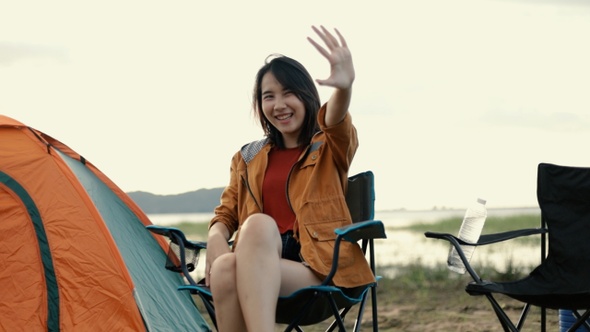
[323, 240]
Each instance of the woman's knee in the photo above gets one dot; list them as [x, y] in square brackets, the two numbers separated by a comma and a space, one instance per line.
[259, 225]
[223, 274]
[260, 231]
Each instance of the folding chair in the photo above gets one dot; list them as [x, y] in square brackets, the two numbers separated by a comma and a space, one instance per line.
[562, 280]
[313, 304]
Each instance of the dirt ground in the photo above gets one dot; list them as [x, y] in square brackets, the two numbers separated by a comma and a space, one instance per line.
[441, 308]
[476, 315]
[448, 312]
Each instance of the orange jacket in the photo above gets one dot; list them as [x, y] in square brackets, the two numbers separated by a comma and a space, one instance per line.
[316, 188]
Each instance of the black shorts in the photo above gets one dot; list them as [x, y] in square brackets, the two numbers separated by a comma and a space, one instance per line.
[291, 247]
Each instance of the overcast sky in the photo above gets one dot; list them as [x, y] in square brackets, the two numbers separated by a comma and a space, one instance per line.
[453, 100]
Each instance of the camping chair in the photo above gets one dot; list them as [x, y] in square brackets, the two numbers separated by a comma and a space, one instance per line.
[313, 304]
[562, 280]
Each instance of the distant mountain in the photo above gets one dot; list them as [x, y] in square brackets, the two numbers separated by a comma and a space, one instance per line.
[202, 200]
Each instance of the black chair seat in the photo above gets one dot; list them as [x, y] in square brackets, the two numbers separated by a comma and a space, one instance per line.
[531, 291]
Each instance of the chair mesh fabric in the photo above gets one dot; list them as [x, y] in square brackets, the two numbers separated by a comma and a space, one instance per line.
[563, 278]
[172, 261]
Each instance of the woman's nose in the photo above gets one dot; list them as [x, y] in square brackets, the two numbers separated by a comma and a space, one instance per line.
[279, 103]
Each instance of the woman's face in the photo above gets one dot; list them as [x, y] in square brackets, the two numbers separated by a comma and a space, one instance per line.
[282, 109]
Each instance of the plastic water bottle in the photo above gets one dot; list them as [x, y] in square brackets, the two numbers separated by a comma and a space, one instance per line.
[470, 230]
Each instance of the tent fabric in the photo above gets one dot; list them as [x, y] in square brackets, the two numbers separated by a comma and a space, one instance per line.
[74, 251]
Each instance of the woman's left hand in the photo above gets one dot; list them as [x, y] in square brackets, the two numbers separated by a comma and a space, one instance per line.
[338, 54]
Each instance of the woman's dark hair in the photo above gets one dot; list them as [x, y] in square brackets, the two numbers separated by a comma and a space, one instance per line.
[295, 78]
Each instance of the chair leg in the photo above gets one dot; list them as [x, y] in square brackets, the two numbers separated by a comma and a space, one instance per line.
[586, 325]
[334, 323]
[332, 326]
[502, 317]
[543, 319]
[359, 317]
[210, 309]
[357, 325]
[523, 315]
[336, 314]
[580, 320]
[295, 322]
[374, 307]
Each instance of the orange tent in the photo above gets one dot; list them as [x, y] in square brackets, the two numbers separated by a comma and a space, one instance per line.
[74, 251]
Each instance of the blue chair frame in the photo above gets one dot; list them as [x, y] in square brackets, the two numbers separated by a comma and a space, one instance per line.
[313, 304]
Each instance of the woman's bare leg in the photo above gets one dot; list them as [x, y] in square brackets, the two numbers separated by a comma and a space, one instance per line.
[223, 287]
[258, 256]
[247, 283]
[295, 276]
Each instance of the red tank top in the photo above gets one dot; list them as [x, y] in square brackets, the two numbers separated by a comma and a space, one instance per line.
[274, 187]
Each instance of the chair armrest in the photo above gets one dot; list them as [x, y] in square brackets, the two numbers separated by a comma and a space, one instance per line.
[365, 230]
[483, 240]
[196, 288]
[175, 234]
[369, 229]
[488, 238]
[503, 236]
[445, 236]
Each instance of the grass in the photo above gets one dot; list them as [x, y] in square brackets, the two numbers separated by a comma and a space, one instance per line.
[447, 225]
[492, 225]
[193, 230]
[198, 231]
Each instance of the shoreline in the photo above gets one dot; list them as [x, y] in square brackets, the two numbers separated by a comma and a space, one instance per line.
[395, 217]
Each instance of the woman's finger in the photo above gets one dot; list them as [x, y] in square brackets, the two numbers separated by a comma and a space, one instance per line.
[322, 36]
[342, 40]
[319, 48]
[329, 39]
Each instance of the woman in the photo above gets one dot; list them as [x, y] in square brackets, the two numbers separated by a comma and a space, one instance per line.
[286, 194]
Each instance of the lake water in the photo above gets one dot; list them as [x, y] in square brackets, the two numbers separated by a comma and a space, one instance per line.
[406, 247]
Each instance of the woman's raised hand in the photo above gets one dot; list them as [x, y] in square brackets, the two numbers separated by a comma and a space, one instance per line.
[338, 55]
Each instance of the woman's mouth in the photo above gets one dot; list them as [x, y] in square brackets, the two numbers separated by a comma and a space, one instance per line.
[283, 117]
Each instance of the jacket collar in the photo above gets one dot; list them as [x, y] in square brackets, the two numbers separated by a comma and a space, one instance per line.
[251, 149]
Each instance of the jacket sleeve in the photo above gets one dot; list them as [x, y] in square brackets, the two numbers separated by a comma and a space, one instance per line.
[342, 139]
[227, 211]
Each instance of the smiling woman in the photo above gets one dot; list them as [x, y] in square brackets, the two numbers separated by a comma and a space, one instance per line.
[276, 186]
[286, 102]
